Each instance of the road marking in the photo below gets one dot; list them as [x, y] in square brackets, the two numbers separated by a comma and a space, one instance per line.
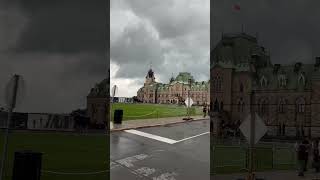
[151, 136]
[128, 162]
[166, 176]
[193, 137]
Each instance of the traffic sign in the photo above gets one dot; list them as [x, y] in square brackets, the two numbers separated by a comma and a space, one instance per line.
[188, 102]
[260, 128]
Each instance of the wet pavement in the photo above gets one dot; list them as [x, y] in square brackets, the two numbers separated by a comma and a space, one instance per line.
[172, 152]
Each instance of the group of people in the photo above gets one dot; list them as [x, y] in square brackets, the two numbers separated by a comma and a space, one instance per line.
[306, 149]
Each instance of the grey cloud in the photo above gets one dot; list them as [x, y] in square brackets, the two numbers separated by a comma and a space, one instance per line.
[134, 49]
[183, 43]
[64, 26]
[59, 47]
[289, 29]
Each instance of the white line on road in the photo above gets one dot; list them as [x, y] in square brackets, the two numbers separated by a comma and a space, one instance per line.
[162, 139]
[151, 136]
[193, 137]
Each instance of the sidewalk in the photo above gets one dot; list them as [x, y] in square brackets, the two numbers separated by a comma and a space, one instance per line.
[134, 124]
[273, 175]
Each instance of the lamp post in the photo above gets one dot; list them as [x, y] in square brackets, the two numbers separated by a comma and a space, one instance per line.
[12, 104]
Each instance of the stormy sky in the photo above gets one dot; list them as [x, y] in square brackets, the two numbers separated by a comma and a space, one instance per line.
[59, 47]
[289, 29]
[172, 35]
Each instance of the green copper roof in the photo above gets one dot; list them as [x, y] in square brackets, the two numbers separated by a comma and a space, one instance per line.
[184, 77]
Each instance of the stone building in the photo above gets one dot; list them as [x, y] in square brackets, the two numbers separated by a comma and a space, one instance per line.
[175, 91]
[286, 97]
[98, 102]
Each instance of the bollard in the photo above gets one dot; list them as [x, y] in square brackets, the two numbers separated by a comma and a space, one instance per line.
[118, 115]
[27, 165]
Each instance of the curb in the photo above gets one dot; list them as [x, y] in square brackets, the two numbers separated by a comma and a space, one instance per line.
[156, 125]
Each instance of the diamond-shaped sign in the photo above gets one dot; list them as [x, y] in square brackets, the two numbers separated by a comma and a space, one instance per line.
[190, 101]
[260, 128]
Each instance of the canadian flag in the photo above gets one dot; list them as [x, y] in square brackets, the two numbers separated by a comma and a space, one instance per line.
[236, 7]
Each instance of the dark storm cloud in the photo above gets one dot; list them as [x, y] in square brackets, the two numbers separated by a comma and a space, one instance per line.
[59, 47]
[289, 29]
[64, 26]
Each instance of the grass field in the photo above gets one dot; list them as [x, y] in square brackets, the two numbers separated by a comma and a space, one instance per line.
[235, 159]
[66, 153]
[149, 111]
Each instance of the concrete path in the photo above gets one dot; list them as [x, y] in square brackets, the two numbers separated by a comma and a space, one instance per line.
[134, 124]
[274, 175]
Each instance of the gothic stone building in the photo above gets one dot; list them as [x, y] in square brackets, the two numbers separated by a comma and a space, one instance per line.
[286, 97]
[175, 92]
[98, 104]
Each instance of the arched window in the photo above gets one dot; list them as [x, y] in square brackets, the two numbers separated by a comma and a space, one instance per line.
[221, 105]
[263, 106]
[241, 105]
[300, 105]
[241, 87]
[282, 103]
[217, 83]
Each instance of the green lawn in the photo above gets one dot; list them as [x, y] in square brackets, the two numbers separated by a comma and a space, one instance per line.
[68, 153]
[149, 111]
[235, 159]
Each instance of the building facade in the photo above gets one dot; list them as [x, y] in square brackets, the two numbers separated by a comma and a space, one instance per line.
[286, 97]
[98, 102]
[174, 92]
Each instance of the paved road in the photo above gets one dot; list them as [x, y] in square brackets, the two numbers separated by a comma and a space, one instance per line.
[174, 152]
[274, 175]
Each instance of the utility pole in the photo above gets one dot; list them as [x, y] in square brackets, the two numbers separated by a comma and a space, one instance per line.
[6, 138]
[251, 175]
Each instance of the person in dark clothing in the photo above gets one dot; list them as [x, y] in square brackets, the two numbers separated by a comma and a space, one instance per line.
[302, 152]
[316, 158]
[204, 111]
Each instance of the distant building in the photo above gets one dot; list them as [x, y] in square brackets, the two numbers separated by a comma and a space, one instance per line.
[174, 92]
[287, 97]
[121, 100]
[98, 103]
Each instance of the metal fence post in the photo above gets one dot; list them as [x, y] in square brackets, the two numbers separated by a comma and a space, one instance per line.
[273, 159]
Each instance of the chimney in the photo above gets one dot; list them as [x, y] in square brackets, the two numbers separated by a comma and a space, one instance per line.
[317, 62]
[276, 68]
[297, 67]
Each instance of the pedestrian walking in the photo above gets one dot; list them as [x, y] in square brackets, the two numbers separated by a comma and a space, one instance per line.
[204, 111]
[316, 158]
[302, 153]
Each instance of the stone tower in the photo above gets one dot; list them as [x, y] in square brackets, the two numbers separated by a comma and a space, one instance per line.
[150, 79]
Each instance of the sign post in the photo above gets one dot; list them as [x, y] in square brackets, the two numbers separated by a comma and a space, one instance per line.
[12, 104]
[253, 128]
[252, 137]
[188, 102]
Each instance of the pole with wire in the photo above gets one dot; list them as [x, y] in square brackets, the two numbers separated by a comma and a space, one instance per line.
[6, 137]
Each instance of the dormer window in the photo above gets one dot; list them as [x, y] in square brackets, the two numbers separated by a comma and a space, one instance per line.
[301, 80]
[282, 80]
[263, 81]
